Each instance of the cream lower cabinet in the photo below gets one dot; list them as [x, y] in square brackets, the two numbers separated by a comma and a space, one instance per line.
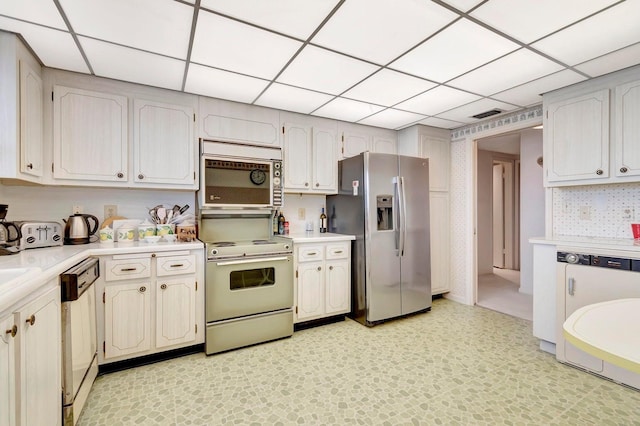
[30, 362]
[323, 280]
[152, 302]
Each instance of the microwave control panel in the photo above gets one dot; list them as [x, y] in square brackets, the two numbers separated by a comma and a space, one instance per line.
[277, 183]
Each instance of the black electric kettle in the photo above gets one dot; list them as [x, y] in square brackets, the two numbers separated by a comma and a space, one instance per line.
[78, 230]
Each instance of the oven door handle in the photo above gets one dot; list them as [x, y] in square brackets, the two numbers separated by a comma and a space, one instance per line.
[245, 261]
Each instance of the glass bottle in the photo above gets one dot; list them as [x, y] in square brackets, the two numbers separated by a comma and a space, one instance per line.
[281, 223]
[333, 223]
[323, 222]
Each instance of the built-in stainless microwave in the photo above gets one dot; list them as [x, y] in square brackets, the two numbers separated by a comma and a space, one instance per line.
[238, 176]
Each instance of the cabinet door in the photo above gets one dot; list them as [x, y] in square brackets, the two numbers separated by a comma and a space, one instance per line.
[337, 287]
[440, 242]
[127, 317]
[325, 161]
[163, 143]
[627, 113]
[577, 131]
[89, 135]
[175, 311]
[310, 290]
[384, 145]
[354, 143]
[7, 372]
[437, 150]
[297, 157]
[40, 360]
[31, 118]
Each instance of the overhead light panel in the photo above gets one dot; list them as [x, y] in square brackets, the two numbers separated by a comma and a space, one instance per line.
[487, 114]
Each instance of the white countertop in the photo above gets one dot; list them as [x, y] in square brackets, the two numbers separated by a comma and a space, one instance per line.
[609, 331]
[616, 244]
[317, 237]
[24, 273]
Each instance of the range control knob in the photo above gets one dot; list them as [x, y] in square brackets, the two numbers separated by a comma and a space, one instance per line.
[572, 258]
[214, 251]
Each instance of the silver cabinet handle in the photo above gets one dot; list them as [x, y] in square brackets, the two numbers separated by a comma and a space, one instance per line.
[128, 269]
[142, 289]
[337, 252]
[120, 175]
[140, 176]
[331, 268]
[306, 184]
[319, 268]
[317, 184]
[177, 265]
[163, 287]
[243, 262]
[599, 172]
[572, 283]
[623, 169]
[313, 253]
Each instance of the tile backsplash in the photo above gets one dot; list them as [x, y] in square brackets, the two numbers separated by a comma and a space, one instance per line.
[604, 211]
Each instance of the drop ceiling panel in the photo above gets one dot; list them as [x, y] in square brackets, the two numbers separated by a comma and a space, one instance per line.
[610, 30]
[381, 30]
[223, 43]
[159, 26]
[289, 98]
[440, 122]
[136, 66]
[463, 5]
[292, 17]
[36, 11]
[388, 87]
[437, 100]
[454, 51]
[325, 71]
[392, 119]
[509, 71]
[464, 113]
[528, 20]
[347, 110]
[55, 48]
[617, 60]
[531, 93]
[222, 84]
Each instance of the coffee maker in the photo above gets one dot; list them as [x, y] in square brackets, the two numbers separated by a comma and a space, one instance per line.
[10, 234]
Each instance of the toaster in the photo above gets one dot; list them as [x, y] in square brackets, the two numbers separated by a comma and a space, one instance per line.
[40, 234]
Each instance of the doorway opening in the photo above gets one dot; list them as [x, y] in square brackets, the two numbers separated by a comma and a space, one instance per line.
[503, 222]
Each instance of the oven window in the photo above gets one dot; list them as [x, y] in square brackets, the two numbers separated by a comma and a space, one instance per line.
[252, 278]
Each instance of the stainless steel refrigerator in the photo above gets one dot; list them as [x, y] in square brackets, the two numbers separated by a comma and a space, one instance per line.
[383, 200]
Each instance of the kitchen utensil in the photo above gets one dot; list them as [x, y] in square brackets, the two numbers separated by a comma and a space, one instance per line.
[176, 209]
[36, 234]
[78, 229]
[162, 215]
[3, 211]
[184, 208]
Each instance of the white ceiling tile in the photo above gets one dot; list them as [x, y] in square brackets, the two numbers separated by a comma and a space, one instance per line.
[291, 17]
[224, 85]
[531, 93]
[461, 47]
[325, 71]
[157, 26]
[509, 71]
[392, 119]
[603, 33]
[387, 88]
[293, 99]
[441, 123]
[617, 60]
[55, 48]
[464, 113]
[36, 11]
[463, 5]
[437, 100]
[347, 110]
[528, 20]
[381, 30]
[136, 66]
[223, 43]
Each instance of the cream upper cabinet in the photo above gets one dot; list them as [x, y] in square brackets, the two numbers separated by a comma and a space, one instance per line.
[356, 138]
[89, 135]
[310, 159]
[576, 133]
[163, 144]
[438, 151]
[240, 123]
[384, 144]
[627, 129]
[354, 143]
[21, 120]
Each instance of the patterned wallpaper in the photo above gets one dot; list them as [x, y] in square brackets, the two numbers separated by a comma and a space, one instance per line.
[604, 211]
[459, 232]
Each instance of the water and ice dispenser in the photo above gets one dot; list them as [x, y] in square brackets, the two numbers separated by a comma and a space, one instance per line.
[384, 207]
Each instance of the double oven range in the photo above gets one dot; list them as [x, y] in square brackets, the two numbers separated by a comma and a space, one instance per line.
[249, 272]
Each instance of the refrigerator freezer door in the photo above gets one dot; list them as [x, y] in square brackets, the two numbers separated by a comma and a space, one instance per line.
[382, 259]
[415, 264]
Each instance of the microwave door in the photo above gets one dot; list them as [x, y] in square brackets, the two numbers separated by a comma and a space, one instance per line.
[237, 183]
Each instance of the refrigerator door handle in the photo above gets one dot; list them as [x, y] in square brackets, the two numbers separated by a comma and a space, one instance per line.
[403, 216]
[396, 213]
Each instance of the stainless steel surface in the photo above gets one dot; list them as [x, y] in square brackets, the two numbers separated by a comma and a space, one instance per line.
[383, 200]
[79, 342]
[37, 234]
[77, 228]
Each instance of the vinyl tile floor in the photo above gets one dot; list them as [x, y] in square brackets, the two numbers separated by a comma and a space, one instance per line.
[455, 365]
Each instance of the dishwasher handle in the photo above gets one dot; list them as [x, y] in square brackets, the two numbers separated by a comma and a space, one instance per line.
[571, 282]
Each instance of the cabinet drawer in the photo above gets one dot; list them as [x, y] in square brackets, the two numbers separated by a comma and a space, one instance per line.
[176, 265]
[310, 253]
[116, 270]
[337, 251]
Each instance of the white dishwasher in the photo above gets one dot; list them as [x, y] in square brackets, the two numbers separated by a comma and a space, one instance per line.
[584, 279]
